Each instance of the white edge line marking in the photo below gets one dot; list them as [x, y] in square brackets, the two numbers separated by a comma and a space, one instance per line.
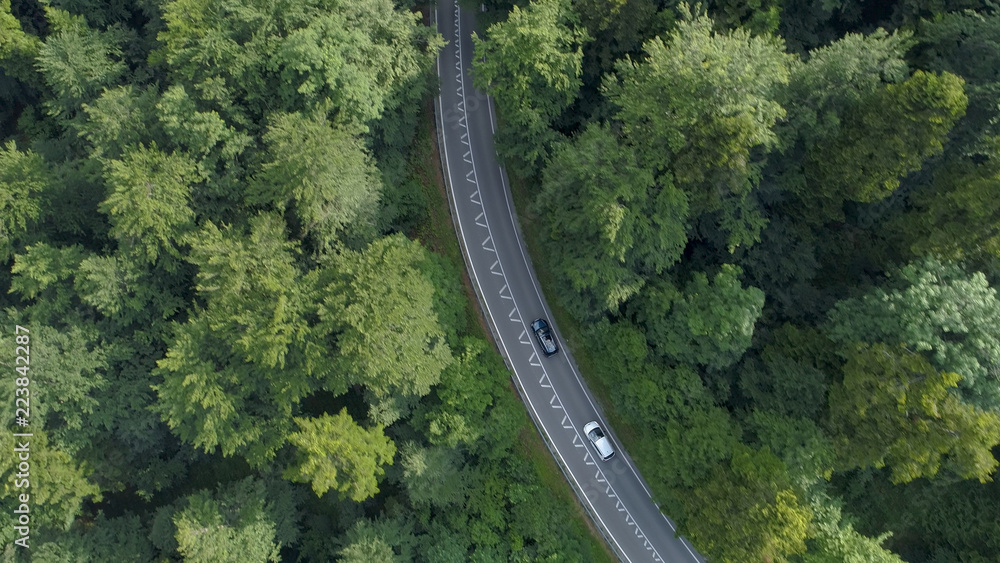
[510, 211]
[538, 417]
[460, 65]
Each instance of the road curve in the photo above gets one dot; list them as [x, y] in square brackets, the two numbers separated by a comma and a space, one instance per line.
[613, 493]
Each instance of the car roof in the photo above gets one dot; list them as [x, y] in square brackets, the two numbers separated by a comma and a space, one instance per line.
[604, 446]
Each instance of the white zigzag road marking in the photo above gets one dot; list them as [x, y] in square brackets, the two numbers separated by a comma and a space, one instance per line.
[496, 269]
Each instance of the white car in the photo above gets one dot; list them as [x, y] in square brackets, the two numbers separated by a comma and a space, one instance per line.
[600, 441]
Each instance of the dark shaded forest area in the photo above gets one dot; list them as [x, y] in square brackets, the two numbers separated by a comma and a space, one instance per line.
[772, 229]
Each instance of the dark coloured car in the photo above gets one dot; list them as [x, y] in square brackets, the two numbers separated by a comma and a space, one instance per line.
[544, 335]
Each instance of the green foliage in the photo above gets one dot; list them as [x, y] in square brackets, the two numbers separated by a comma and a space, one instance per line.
[382, 540]
[450, 303]
[120, 119]
[932, 307]
[432, 476]
[532, 60]
[23, 178]
[367, 546]
[935, 520]
[381, 306]
[758, 16]
[357, 55]
[748, 511]
[149, 199]
[66, 371]
[530, 63]
[822, 96]
[465, 393]
[268, 55]
[784, 266]
[957, 215]
[42, 273]
[192, 241]
[236, 523]
[798, 442]
[16, 46]
[201, 134]
[235, 370]
[711, 323]
[334, 452]
[784, 386]
[117, 286]
[882, 138]
[672, 102]
[893, 408]
[835, 78]
[611, 225]
[211, 399]
[835, 541]
[966, 43]
[105, 539]
[250, 288]
[77, 61]
[697, 106]
[323, 174]
[59, 483]
[689, 436]
[684, 434]
[790, 376]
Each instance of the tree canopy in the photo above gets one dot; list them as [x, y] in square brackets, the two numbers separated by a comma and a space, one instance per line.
[767, 231]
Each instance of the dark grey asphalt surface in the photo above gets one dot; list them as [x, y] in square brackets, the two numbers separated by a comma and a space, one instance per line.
[613, 492]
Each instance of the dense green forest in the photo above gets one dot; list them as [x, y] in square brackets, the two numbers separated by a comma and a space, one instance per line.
[248, 336]
[773, 230]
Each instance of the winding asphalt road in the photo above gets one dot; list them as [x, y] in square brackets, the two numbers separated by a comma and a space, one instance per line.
[613, 493]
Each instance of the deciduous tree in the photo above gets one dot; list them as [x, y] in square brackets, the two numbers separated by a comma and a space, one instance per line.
[380, 306]
[238, 522]
[105, 539]
[834, 539]
[710, 323]
[701, 106]
[958, 215]
[611, 224]
[77, 61]
[748, 511]
[23, 179]
[66, 486]
[883, 137]
[531, 64]
[148, 199]
[323, 174]
[254, 56]
[433, 476]
[936, 308]
[893, 408]
[334, 452]
[212, 398]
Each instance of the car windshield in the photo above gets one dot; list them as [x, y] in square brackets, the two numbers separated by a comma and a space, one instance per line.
[596, 434]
